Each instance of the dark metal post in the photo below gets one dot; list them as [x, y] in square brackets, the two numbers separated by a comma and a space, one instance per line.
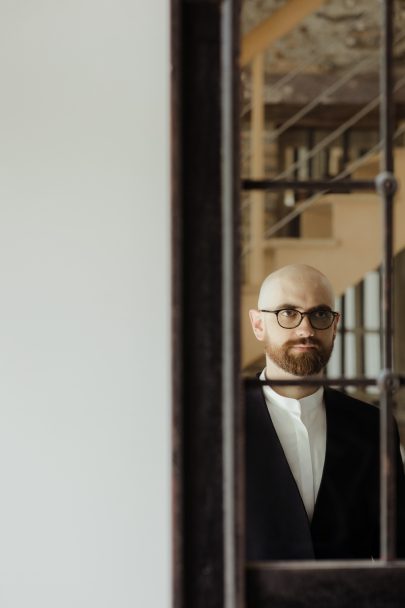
[386, 188]
[231, 403]
[359, 331]
[343, 336]
[208, 570]
[176, 281]
[201, 306]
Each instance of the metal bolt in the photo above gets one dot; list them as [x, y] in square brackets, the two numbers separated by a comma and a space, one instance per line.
[388, 381]
[386, 183]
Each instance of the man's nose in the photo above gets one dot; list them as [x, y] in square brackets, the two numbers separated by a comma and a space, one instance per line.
[305, 328]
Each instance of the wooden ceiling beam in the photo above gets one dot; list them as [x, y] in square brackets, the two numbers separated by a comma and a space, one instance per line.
[275, 27]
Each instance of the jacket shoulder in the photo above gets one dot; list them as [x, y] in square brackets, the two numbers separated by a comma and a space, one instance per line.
[352, 408]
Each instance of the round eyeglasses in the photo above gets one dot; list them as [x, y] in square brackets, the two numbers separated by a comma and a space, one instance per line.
[289, 318]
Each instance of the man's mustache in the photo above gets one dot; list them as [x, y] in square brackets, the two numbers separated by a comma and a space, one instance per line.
[304, 342]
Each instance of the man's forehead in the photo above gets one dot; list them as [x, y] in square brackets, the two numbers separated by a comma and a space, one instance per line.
[298, 291]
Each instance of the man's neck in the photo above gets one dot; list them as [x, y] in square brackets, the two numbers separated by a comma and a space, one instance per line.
[296, 391]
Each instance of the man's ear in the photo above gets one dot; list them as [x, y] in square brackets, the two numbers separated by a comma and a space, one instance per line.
[256, 319]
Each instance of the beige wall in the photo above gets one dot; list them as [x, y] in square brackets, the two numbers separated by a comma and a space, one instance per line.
[85, 304]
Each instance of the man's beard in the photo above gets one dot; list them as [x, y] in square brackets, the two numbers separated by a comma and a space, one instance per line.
[300, 364]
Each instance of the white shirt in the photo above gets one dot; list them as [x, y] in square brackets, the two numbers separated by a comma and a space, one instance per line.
[301, 427]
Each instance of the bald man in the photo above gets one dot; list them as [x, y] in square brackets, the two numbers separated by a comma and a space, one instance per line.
[312, 454]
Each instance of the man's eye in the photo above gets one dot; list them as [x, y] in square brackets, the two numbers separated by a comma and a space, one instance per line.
[321, 314]
[289, 313]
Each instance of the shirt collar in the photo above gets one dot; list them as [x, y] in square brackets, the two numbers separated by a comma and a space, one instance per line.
[294, 406]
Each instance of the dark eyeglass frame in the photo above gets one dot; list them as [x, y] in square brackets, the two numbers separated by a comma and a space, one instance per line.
[304, 314]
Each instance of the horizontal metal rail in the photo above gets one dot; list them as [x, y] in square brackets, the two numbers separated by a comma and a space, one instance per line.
[310, 184]
[348, 583]
[302, 206]
[324, 565]
[393, 382]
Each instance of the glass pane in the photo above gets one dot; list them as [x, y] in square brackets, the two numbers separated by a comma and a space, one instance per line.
[372, 301]
[305, 97]
[372, 355]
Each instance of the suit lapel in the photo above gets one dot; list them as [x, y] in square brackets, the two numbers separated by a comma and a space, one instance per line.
[278, 525]
[279, 457]
[339, 516]
[335, 448]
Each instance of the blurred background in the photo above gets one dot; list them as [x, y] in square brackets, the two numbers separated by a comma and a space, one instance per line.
[310, 90]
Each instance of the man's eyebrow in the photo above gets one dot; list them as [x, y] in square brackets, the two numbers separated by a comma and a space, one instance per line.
[296, 307]
[286, 305]
[320, 307]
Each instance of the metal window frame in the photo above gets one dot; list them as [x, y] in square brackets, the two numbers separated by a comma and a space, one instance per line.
[208, 560]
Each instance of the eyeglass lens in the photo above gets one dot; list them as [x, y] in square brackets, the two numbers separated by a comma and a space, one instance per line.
[319, 319]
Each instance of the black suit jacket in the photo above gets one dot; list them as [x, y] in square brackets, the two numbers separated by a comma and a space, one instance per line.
[345, 523]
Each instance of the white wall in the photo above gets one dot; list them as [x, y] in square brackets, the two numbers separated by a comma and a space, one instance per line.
[84, 304]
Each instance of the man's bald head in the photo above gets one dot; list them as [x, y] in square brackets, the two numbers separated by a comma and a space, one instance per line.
[295, 345]
[279, 287]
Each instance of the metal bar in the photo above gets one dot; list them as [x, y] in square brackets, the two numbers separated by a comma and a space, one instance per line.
[394, 380]
[380, 287]
[176, 321]
[359, 322]
[231, 410]
[302, 566]
[386, 187]
[362, 331]
[201, 299]
[350, 122]
[306, 204]
[342, 331]
[387, 86]
[334, 584]
[228, 380]
[310, 184]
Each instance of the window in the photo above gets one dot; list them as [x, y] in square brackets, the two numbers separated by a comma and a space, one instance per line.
[207, 419]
